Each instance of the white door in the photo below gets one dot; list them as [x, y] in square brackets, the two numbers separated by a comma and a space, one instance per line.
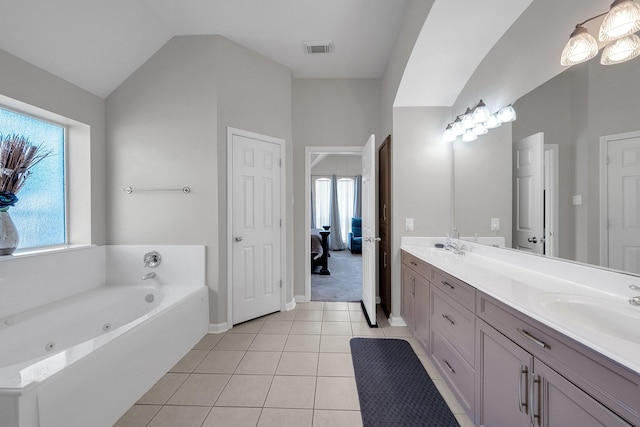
[623, 182]
[528, 175]
[256, 227]
[369, 239]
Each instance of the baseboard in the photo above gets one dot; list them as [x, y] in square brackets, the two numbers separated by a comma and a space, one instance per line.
[218, 328]
[396, 321]
[290, 305]
[300, 298]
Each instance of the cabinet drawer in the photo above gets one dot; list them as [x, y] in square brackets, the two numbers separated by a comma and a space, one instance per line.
[458, 374]
[609, 383]
[416, 264]
[454, 322]
[455, 288]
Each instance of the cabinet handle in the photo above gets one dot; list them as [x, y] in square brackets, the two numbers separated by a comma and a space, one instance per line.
[413, 263]
[447, 284]
[446, 316]
[533, 339]
[384, 211]
[522, 404]
[448, 366]
[385, 259]
[535, 406]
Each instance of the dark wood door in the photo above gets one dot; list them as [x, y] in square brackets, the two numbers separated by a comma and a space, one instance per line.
[384, 224]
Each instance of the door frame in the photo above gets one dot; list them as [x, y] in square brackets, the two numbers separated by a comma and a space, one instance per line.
[308, 152]
[604, 191]
[283, 212]
[551, 206]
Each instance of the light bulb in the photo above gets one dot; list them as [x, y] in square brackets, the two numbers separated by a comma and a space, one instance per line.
[493, 122]
[621, 50]
[448, 135]
[469, 136]
[479, 129]
[507, 114]
[623, 19]
[457, 127]
[467, 119]
[581, 47]
[481, 113]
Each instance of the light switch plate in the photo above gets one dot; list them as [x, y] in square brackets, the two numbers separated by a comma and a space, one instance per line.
[576, 200]
[408, 224]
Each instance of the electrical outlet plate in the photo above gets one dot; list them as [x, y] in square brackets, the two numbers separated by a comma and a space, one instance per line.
[408, 224]
[495, 224]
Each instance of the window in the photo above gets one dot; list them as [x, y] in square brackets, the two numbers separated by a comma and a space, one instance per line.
[345, 203]
[39, 214]
[323, 201]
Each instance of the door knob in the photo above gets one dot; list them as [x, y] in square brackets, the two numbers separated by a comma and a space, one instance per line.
[238, 239]
[532, 240]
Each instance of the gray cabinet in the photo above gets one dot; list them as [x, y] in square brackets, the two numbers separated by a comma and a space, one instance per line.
[415, 297]
[507, 369]
[517, 389]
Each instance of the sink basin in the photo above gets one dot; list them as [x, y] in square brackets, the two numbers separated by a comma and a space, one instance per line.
[611, 316]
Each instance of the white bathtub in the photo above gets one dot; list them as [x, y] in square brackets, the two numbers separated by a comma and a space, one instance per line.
[85, 359]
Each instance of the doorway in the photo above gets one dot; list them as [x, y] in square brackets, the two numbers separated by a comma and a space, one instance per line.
[332, 171]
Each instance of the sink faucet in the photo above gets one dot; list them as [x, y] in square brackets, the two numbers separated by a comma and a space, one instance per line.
[151, 275]
[451, 245]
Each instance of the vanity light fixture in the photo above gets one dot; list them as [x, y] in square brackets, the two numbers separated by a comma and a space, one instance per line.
[617, 29]
[477, 121]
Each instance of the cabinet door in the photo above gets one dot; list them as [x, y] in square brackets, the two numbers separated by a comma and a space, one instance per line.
[558, 402]
[503, 372]
[421, 310]
[407, 309]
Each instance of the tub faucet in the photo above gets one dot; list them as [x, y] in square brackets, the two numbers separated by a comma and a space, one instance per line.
[151, 275]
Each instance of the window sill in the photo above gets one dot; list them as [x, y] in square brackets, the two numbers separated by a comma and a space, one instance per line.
[24, 253]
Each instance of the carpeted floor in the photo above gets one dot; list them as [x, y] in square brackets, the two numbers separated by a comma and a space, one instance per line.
[393, 387]
[345, 281]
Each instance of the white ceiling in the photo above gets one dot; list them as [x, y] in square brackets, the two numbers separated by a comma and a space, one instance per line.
[97, 44]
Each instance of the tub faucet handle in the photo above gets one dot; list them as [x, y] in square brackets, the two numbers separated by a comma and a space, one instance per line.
[152, 259]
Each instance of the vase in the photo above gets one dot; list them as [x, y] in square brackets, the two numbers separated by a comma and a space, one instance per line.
[9, 238]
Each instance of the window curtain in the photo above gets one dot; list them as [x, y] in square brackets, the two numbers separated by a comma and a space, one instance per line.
[357, 197]
[335, 238]
[313, 203]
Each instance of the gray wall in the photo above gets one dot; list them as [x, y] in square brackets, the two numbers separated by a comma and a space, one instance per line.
[26, 83]
[166, 127]
[421, 181]
[327, 112]
[482, 184]
[341, 165]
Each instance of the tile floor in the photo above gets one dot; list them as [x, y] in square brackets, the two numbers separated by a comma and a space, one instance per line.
[287, 369]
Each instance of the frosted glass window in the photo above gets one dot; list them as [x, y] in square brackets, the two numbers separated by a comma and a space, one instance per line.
[39, 214]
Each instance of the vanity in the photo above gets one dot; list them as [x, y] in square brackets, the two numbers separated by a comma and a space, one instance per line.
[523, 340]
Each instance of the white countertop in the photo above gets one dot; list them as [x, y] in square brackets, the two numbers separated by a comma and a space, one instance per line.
[587, 304]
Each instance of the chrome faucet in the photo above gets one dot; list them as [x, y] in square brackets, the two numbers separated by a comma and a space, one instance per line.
[451, 245]
[151, 275]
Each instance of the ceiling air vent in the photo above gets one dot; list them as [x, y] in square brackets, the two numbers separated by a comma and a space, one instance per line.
[318, 47]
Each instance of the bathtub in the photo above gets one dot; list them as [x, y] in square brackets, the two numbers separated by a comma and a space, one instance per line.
[84, 359]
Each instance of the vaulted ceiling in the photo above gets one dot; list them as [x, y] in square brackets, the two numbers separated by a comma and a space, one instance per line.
[97, 44]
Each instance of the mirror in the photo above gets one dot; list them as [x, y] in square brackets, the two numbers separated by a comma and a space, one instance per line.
[588, 112]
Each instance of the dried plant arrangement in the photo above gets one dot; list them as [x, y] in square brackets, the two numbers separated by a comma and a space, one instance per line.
[17, 157]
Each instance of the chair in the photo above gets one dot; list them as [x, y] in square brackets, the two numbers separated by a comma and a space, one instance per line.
[355, 236]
